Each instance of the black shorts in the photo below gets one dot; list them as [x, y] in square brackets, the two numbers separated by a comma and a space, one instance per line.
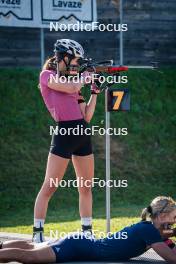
[70, 138]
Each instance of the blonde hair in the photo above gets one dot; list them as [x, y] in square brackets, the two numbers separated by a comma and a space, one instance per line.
[50, 64]
[161, 204]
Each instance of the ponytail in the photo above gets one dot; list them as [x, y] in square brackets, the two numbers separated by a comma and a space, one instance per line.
[50, 64]
[161, 204]
[146, 212]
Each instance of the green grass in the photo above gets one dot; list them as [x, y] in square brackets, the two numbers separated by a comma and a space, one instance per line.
[145, 157]
[67, 222]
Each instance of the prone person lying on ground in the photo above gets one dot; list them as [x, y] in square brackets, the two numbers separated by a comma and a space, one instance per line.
[140, 237]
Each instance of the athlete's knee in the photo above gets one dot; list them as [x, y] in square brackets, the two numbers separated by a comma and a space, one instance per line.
[48, 188]
[86, 190]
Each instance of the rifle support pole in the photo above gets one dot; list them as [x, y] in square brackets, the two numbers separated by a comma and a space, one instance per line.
[108, 169]
[108, 173]
[42, 47]
[121, 32]
[108, 202]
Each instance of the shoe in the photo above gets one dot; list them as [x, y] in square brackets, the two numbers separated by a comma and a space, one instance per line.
[38, 235]
[1, 243]
[87, 231]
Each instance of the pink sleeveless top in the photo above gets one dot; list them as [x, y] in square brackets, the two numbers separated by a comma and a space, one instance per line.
[62, 106]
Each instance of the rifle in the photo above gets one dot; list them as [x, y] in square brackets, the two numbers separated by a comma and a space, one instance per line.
[107, 66]
[104, 67]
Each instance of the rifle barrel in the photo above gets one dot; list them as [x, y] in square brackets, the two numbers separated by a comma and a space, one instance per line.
[114, 68]
[117, 68]
[141, 67]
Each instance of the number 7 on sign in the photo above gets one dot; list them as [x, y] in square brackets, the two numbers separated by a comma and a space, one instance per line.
[118, 99]
[119, 95]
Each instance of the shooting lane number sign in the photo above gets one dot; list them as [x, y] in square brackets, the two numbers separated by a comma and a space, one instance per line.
[118, 99]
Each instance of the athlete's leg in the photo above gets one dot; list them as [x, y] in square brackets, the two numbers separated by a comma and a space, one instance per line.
[84, 167]
[23, 244]
[56, 167]
[40, 255]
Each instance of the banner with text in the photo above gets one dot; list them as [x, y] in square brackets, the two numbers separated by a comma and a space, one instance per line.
[32, 13]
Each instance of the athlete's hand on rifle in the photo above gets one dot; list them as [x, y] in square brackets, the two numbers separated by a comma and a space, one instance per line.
[88, 77]
[94, 89]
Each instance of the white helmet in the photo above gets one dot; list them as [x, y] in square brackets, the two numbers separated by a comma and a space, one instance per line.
[69, 46]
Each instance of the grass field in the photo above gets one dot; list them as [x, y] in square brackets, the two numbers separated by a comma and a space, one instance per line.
[146, 157]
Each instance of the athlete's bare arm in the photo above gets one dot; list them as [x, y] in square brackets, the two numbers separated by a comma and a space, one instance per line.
[88, 109]
[165, 252]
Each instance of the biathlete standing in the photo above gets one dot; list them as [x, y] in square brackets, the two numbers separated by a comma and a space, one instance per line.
[69, 109]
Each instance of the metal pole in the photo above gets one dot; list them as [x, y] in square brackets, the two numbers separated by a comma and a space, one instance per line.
[121, 32]
[42, 47]
[108, 168]
[108, 202]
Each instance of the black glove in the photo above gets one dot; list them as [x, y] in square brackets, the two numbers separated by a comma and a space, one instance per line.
[169, 243]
